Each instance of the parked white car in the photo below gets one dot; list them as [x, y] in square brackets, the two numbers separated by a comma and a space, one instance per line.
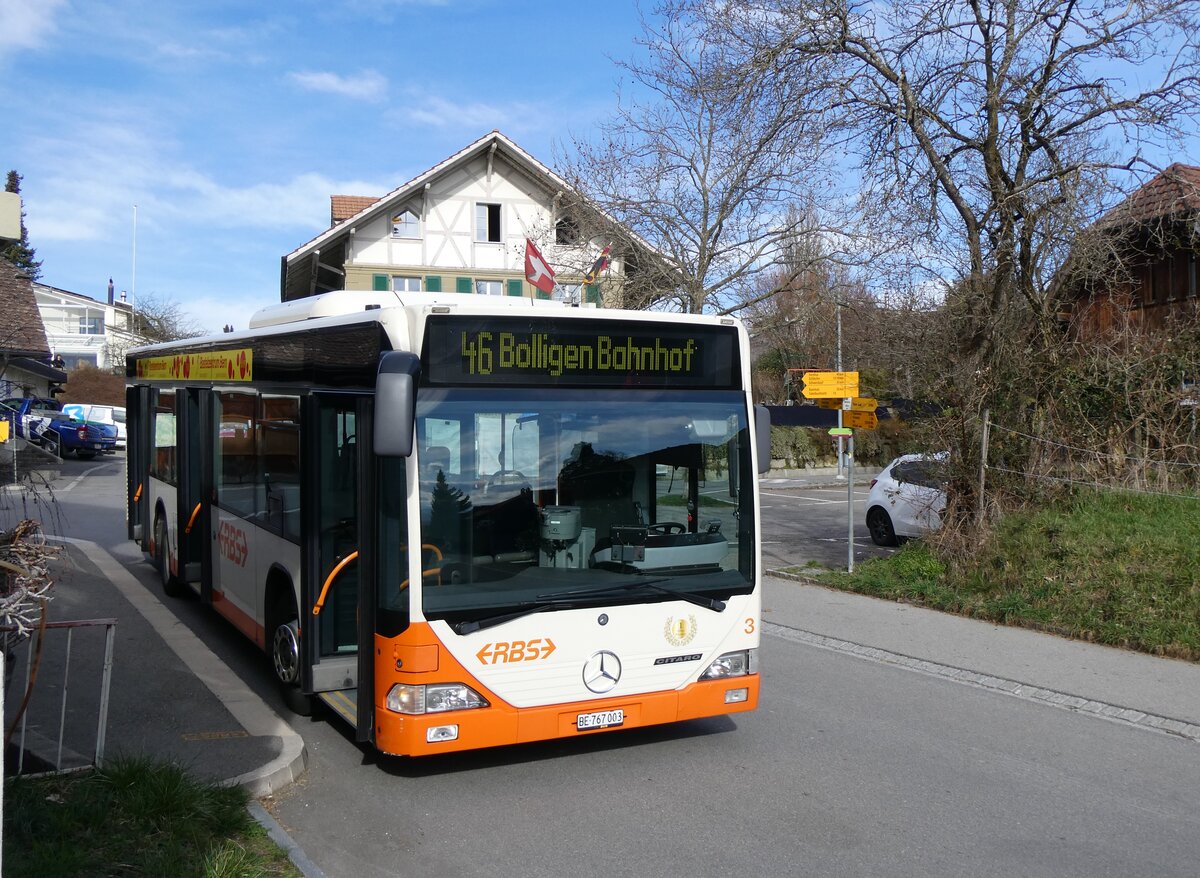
[100, 414]
[907, 498]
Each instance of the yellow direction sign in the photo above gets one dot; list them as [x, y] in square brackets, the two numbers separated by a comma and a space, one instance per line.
[860, 420]
[850, 404]
[828, 385]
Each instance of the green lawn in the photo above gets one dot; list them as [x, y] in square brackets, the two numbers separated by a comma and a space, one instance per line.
[134, 818]
[1115, 568]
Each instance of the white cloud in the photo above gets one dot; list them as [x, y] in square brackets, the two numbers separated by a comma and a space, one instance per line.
[370, 85]
[25, 24]
[90, 181]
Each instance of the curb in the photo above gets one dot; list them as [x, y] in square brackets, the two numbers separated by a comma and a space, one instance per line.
[254, 715]
[280, 836]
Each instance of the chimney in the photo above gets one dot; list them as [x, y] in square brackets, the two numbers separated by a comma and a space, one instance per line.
[110, 291]
[122, 297]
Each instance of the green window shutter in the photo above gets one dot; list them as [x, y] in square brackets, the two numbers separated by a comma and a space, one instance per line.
[380, 282]
[433, 283]
[516, 288]
[541, 294]
[463, 285]
[593, 294]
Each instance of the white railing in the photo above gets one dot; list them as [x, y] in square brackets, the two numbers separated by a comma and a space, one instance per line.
[37, 716]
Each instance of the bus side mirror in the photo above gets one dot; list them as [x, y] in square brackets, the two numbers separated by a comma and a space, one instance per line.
[762, 435]
[396, 403]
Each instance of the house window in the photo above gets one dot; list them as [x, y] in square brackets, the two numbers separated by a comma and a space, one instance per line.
[487, 223]
[91, 326]
[406, 224]
[566, 231]
[406, 284]
[489, 288]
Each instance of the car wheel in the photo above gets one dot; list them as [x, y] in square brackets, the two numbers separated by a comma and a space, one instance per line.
[879, 523]
[170, 584]
[285, 660]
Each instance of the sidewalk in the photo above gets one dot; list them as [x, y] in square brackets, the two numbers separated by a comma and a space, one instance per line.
[171, 698]
[1087, 677]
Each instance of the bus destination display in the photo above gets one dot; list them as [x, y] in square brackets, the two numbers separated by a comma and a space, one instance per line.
[473, 351]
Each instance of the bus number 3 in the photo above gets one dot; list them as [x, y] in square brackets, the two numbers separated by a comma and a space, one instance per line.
[516, 651]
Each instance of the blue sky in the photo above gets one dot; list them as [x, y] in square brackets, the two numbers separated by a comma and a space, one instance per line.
[230, 124]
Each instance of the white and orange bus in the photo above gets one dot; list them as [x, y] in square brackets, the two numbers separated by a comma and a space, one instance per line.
[463, 522]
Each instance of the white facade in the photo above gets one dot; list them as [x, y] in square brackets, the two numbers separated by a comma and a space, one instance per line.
[459, 227]
[80, 329]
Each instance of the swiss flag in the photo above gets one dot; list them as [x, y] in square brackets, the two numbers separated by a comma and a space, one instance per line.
[537, 271]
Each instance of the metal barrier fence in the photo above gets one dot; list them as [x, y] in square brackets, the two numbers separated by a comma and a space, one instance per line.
[49, 717]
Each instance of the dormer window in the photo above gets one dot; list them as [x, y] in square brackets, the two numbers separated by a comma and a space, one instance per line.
[406, 224]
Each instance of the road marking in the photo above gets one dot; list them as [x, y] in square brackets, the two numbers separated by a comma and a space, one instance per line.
[1014, 688]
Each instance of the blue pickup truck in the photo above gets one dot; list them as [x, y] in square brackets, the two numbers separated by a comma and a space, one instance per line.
[43, 422]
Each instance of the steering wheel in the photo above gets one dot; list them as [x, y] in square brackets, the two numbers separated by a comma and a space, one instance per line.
[666, 527]
[504, 478]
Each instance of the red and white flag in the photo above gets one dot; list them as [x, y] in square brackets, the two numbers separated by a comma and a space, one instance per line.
[537, 271]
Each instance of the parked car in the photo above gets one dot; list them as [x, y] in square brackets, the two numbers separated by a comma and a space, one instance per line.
[907, 498]
[43, 422]
[100, 414]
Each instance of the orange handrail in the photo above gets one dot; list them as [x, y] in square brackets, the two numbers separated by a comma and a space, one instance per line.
[430, 571]
[137, 495]
[329, 581]
[192, 520]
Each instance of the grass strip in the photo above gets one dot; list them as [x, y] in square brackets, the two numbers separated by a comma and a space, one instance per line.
[1119, 569]
[134, 817]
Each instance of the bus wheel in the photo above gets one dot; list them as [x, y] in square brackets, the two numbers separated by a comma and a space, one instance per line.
[170, 584]
[285, 658]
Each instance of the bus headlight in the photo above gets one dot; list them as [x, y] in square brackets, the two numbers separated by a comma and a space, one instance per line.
[433, 698]
[733, 664]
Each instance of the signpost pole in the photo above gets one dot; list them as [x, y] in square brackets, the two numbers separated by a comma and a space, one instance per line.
[838, 303]
[850, 503]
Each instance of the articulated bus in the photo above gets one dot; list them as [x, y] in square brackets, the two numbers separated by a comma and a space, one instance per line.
[463, 522]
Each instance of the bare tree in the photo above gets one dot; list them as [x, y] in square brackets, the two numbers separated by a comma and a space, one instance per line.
[990, 126]
[700, 164]
[156, 319]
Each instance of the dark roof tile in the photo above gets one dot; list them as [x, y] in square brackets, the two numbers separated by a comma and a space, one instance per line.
[22, 332]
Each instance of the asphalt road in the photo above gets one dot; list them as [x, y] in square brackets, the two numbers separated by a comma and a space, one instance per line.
[805, 526]
[849, 767]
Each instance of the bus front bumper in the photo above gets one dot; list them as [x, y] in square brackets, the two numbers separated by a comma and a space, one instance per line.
[501, 724]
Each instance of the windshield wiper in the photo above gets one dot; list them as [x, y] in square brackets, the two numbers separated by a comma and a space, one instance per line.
[473, 625]
[652, 584]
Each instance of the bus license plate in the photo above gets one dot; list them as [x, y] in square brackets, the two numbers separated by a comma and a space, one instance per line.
[602, 719]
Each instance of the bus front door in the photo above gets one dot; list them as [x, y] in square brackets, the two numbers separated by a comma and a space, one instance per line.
[332, 566]
[191, 512]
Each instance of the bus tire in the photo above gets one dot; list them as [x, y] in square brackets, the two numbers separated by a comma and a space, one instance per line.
[170, 584]
[284, 647]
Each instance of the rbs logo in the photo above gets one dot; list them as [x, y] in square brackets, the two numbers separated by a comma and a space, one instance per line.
[232, 541]
[516, 651]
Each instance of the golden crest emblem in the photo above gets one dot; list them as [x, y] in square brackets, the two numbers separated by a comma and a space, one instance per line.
[681, 631]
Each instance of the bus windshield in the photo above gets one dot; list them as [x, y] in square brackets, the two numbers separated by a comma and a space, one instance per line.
[581, 496]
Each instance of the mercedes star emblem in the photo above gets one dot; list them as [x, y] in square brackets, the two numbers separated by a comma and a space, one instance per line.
[601, 672]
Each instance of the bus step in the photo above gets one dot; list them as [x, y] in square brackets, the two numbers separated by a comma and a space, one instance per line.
[343, 702]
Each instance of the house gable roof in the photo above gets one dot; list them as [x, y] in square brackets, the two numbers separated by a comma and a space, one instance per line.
[1173, 192]
[405, 191]
[23, 334]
